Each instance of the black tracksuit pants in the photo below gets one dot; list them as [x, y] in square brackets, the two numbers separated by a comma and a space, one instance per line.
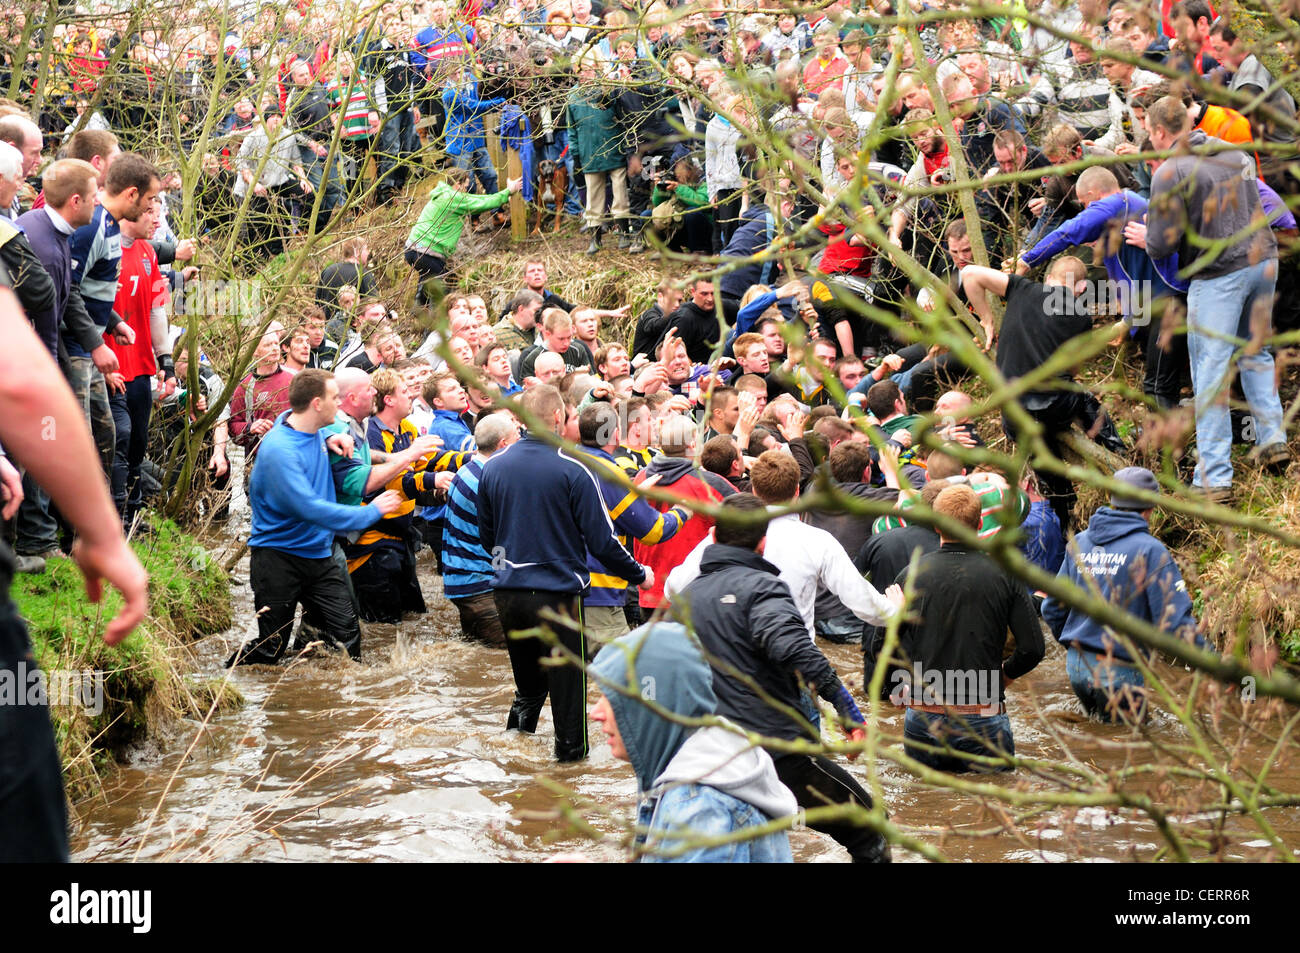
[819, 782]
[281, 581]
[1165, 368]
[521, 609]
[33, 813]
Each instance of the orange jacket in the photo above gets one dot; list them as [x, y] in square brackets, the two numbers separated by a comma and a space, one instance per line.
[1228, 125]
[817, 77]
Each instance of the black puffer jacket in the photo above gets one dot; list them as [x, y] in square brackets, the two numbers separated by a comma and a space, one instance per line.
[747, 622]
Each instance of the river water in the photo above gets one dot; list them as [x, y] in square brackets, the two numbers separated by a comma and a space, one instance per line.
[405, 757]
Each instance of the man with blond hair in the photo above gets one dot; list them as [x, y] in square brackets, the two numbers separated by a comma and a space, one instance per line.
[381, 561]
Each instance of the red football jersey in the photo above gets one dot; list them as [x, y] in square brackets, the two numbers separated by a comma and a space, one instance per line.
[140, 286]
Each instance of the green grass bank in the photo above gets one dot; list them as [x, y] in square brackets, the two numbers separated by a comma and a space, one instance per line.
[145, 682]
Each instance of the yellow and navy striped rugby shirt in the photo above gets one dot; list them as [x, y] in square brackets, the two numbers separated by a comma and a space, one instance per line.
[414, 483]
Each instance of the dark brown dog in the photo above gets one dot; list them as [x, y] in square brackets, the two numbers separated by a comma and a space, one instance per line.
[552, 183]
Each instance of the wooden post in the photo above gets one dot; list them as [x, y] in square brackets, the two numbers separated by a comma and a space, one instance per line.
[509, 166]
[518, 210]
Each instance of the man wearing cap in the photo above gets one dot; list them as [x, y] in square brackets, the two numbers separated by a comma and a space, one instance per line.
[1119, 560]
[749, 46]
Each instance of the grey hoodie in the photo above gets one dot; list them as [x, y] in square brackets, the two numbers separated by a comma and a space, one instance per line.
[1212, 196]
[725, 759]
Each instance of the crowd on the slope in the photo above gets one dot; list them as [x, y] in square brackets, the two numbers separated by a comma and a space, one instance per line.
[556, 470]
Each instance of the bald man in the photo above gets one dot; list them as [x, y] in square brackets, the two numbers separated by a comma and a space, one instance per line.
[1040, 319]
[1107, 210]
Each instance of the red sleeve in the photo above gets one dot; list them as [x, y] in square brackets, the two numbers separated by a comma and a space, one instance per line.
[238, 411]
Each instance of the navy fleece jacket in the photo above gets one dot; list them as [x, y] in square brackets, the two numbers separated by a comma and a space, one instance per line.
[539, 512]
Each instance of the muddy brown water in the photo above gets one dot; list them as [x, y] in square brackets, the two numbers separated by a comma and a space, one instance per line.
[405, 757]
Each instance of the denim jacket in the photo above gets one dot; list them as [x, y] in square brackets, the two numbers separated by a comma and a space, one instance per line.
[687, 813]
[696, 783]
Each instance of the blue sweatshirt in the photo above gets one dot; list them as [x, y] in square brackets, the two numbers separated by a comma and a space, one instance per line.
[1127, 264]
[465, 111]
[292, 496]
[451, 427]
[1132, 570]
[539, 512]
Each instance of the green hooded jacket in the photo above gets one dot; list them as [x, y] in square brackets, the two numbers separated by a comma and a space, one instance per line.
[442, 219]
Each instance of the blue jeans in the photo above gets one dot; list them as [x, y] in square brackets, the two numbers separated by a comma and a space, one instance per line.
[1219, 318]
[687, 812]
[917, 370]
[1110, 689]
[479, 164]
[573, 201]
[985, 735]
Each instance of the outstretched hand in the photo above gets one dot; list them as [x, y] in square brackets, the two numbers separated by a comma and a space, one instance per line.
[340, 443]
[1135, 233]
[115, 562]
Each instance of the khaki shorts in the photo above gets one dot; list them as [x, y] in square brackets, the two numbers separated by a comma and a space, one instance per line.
[603, 624]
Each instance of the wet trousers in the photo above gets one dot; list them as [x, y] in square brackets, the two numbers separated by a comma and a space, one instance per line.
[521, 609]
[386, 584]
[281, 581]
[819, 782]
[33, 815]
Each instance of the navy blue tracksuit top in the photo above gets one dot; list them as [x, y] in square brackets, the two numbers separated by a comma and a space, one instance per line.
[539, 512]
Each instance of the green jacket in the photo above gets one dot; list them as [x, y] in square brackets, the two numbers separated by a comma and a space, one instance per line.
[594, 136]
[692, 196]
[442, 219]
[350, 477]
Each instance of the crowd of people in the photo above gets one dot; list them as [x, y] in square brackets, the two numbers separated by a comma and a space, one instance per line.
[594, 481]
